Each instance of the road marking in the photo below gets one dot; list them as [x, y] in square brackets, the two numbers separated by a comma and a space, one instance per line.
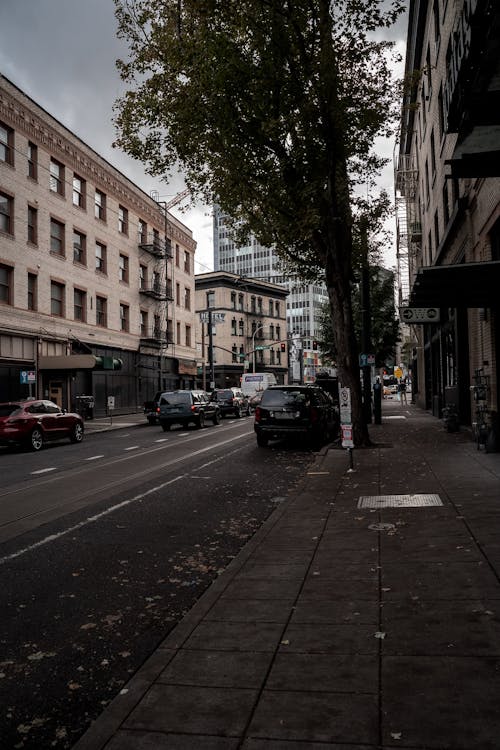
[132, 448]
[161, 440]
[43, 471]
[118, 506]
[93, 458]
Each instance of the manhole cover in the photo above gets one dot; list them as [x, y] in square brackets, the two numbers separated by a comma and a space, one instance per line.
[398, 501]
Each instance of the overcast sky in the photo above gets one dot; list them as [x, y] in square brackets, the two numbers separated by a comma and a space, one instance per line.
[62, 54]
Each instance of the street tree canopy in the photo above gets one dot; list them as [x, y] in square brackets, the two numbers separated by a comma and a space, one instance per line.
[271, 108]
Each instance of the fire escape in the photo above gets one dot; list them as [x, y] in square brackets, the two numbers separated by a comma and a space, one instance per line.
[408, 225]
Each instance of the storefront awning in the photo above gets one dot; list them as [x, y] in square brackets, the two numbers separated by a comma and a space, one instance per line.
[67, 362]
[458, 285]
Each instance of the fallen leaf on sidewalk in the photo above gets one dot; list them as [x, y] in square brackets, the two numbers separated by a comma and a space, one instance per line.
[379, 634]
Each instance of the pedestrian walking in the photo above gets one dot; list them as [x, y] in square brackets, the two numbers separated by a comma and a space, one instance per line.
[402, 391]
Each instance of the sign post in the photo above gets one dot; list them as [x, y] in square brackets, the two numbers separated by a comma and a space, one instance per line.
[346, 421]
[111, 406]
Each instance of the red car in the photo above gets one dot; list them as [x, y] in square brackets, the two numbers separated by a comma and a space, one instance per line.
[30, 423]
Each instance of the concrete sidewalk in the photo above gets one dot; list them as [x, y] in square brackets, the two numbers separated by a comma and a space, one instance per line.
[364, 614]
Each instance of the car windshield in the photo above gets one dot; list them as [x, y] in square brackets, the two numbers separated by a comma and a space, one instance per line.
[172, 399]
[7, 409]
[224, 394]
[283, 398]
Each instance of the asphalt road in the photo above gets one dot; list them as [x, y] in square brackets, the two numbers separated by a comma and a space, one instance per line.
[104, 546]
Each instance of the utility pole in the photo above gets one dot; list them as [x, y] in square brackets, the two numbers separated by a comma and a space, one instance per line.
[211, 350]
[366, 335]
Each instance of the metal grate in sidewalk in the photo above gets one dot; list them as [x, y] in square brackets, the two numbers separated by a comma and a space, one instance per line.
[399, 501]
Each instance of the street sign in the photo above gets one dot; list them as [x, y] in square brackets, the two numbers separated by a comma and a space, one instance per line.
[345, 405]
[416, 315]
[28, 376]
[398, 372]
[111, 403]
[366, 359]
[347, 440]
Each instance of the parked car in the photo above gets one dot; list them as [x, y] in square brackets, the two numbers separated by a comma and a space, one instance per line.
[231, 401]
[32, 422]
[296, 410]
[152, 409]
[185, 407]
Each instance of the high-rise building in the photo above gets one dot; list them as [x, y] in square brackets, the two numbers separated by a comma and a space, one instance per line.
[304, 301]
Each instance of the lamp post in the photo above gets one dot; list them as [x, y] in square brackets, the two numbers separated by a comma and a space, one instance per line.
[259, 328]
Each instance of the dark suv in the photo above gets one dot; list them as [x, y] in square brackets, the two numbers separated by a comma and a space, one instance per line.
[296, 410]
[231, 401]
[185, 407]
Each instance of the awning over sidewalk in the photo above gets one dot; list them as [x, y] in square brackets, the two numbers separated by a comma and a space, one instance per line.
[67, 362]
[457, 285]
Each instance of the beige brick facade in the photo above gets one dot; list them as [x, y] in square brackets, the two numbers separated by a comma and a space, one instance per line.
[86, 256]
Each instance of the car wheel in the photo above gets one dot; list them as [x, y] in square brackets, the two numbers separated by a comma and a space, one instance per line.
[217, 418]
[36, 439]
[76, 434]
[201, 421]
[165, 426]
[262, 441]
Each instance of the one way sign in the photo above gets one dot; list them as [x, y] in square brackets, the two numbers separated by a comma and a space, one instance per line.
[419, 314]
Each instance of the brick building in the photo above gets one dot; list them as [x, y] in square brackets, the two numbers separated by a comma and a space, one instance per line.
[252, 332]
[448, 203]
[96, 277]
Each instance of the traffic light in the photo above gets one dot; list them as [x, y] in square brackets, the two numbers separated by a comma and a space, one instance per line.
[283, 346]
[315, 346]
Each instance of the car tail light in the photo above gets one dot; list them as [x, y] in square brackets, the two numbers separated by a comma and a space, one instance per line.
[157, 409]
[257, 414]
[193, 407]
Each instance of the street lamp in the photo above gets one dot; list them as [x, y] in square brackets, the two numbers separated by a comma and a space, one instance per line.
[259, 328]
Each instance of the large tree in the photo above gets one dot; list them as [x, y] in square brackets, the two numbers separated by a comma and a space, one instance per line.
[272, 108]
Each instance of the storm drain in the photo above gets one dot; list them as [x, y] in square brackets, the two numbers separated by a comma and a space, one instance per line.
[398, 501]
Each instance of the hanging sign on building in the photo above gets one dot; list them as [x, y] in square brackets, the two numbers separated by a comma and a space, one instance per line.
[415, 315]
[217, 317]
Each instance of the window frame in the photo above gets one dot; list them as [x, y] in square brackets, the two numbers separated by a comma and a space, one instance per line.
[32, 225]
[80, 193]
[122, 219]
[7, 144]
[32, 156]
[56, 178]
[7, 286]
[81, 256]
[101, 311]
[9, 214]
[32, 287]
[82, 306]
[99, 205]
[61, 251]
[124, 317]
[60, 302]
[101, 264]
[123, 268]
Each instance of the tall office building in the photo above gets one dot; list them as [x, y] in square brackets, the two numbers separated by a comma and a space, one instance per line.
[304, 301]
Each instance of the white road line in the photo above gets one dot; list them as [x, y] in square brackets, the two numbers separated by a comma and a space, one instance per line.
[43, 471]
[132, 448]
[161, 440]
[108, 511]
[93, 458]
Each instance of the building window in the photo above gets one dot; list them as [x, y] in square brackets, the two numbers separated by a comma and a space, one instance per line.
[56, 237]
[79, 248]
[188, 335]
[253, 307]
[187, 298]
[234, 353]
[271, 308]
[57, 299]
[272, 357]
[32, 291]
[177, 294]
[32, 225]
[210, 299]
[187, 262]
[100, 205]
[177, 260]
[100, 257]
[32, 161]
[78, 191]
[156, 240]
[123, 269]
[242, 353]
[6, 275]
[241, 305]
[170, 331]
[124, 317]
[143, 277]
[6, 214]
[241, 327]
[233, 300]
[278, 357]
[6, 144]
[122, 220]
[259, 305]
[144, 323]
[178, 327]
[157, 327]
[56, 178]
[142, 232]
[156, 282]
[233, 327]
[101, 311]
[277, 308]
[79, 305]
[278, 333]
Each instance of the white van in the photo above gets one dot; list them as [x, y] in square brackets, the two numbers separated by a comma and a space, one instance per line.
[253, 382]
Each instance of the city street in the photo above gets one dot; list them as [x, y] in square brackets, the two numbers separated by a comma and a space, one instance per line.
[104, 546]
